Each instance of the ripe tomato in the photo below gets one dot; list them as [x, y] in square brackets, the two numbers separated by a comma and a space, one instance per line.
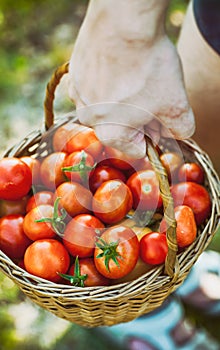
[51, 170]
[153, 248]
[84, 138]
[15, 178]
[186, 228]
[78, 166]
[34, 165]
[46, 258]
[80, 235]
[104, 173]
[42, 197]
[91, 275]
[37, 230]
[119, 159]
[13, 241]
[116, 252]
[62, 134]
[112, 201]
[171, 162]
[191, 172]
[194, 196]
[74, 198]
[13, 207]
[144, 186]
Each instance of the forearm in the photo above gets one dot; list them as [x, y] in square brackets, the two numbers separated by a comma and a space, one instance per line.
[131, 19]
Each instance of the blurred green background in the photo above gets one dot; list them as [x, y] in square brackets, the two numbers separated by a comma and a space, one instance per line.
[35, 38]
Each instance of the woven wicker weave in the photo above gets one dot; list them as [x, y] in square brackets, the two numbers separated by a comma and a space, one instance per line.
[98, 306]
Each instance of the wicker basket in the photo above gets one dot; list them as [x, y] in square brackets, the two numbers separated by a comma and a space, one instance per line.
[98, 306]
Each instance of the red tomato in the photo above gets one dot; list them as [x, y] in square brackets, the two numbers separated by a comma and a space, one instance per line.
[80, 235]
[194, 196]
[38, 230]
[46, 258]
[78, 166]
[116, 252]
[119, 159]
[51, 170]
[74, 198]
[92, 276]
[144, 186]
[34, 165]
[13, 207]
[42, 197]
[191, 172]
[112, 201]
[13, 241]
[186, 228]
[15, 178]
[62, 134]
[104, 173]
[84, 138]
[171, 162]
[153, 248]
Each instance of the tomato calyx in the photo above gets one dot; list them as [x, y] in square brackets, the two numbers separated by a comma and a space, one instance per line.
[80, 168]
[77, 279]
[109, 252]
[57, 221]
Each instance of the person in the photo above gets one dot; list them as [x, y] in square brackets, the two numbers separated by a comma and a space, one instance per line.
[126, 79]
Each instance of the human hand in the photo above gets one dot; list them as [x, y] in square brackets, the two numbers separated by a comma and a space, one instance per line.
[125, 76]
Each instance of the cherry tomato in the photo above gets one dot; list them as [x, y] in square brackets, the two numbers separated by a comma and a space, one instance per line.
[119, 159]
[91, 275]
[84, 138]
[37, 230]
[42, 197]
[186, 228]
[191, 172]
[15, 178]
[62, 134]
[13, 241]
[46, 258]
[116, 252]
[80, 235]
[51, 170]
[112, 201]
[34, 165]
[78, 166]
[13, 207]
[104, 173]
[153, 248]
[171, 162]
[74, 198]
[194, 196]
[144, 186]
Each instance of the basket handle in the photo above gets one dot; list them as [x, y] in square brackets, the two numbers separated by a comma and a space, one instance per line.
[171, 263]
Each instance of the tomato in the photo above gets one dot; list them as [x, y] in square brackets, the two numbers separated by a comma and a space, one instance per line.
[104, 173]
[112, 201]
[78, 166]
[91, 276]
[74, 198]
[186, 228]
[194, 196]
[153, 248]
[84, 138]
[14, 207]
[42, 197]
[80, 235]
[62, 134]
[144, 186]
[171, 162]
[191, 172]
[13, 241]
[34, 165]
[119, 159]
[51, 170]
[37, 230]
[46, 258]
[15, 178]
[116, 252]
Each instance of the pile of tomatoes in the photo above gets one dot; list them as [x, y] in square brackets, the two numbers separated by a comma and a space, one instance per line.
[88, 215]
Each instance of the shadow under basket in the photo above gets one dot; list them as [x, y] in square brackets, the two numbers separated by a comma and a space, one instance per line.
[106, 306]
